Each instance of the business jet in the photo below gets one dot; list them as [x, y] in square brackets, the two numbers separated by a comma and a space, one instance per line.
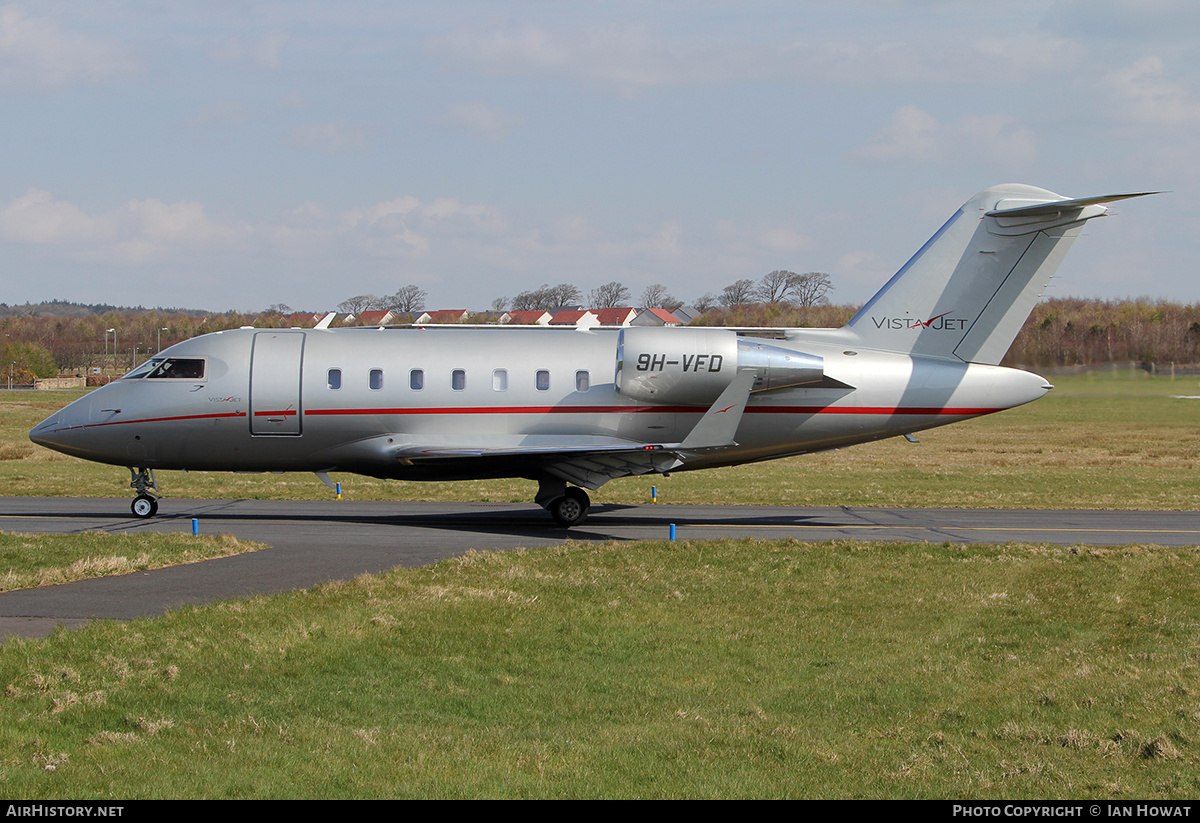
[574, 408]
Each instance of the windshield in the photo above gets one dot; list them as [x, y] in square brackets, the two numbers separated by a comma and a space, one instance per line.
[169, 368]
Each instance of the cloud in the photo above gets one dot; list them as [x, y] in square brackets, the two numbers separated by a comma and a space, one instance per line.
[35, 52]
[409, 228]
[337, 137]
[142, 231]
[480, 120]
[630, 58]
[913, 135]
[266, 52]
[1143, 94]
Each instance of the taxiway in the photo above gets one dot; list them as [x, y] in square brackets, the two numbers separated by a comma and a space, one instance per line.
[315, 542]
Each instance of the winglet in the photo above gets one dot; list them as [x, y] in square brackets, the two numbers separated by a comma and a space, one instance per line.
[324, 322]
[719, 424]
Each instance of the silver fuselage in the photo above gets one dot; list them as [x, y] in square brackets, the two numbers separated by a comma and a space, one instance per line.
[267, 402]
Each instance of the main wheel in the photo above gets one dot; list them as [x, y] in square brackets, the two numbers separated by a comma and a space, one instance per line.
[571, 509]
[144, 506]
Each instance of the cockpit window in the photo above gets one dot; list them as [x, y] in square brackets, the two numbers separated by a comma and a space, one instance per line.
[170, 368]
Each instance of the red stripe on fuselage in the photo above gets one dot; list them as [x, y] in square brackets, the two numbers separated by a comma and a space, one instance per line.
[452, 410]
[471, 410]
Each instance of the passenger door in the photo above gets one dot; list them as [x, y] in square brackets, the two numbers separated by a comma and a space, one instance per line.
[275, 383]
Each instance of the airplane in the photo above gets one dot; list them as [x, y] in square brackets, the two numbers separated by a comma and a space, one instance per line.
[574, 408]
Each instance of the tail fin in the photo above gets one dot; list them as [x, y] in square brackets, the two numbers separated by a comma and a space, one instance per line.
[967, 292]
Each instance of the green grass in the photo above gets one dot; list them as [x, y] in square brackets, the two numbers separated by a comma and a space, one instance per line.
[692, 669]
[28, 560]
[714, 669]
[1118, 441]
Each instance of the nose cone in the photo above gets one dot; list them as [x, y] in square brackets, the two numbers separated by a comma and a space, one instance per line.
[64, 431]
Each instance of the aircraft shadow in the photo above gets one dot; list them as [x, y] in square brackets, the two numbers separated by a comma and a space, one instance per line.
[603, 520]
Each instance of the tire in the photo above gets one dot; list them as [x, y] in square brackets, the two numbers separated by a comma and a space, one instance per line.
[571, 509]
[144, 506]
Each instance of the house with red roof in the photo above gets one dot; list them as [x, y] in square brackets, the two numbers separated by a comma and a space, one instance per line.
[575, 317]
[615, 317]
[527, 317]
[656, 317]
[444, 316]
[375, 318]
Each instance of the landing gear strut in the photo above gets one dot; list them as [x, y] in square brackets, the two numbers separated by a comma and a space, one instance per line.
[568, 505]
[146, 503]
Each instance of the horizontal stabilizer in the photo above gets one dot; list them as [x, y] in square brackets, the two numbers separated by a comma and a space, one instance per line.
[1057, 206]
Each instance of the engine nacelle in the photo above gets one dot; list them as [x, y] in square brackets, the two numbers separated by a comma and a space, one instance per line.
[692, 366]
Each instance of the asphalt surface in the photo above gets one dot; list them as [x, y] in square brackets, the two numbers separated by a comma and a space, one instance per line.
[316, 542]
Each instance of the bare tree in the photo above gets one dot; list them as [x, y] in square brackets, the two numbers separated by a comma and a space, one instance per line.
[609, 296]
[657, 297]
[563, 294]
[499, 305]
[408, 300]
[776, 286]
[704, 302]
[811, 289]
[547, 297]
[739, 293]
[357, 304]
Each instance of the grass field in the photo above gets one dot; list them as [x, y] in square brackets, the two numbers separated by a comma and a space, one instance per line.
[1122, 441]
[718, 669]
[714, 669]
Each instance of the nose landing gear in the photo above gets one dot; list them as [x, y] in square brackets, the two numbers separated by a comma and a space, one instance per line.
[145, 505]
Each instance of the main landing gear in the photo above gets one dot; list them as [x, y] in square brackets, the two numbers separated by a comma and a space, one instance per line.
[568, 505]
[145, 505]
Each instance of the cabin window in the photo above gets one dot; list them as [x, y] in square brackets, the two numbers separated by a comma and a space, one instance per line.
[543, 380]
[416, 379]
[500, 380]
[583, 380]
[458, 380]
[376, 381]
[335, 379]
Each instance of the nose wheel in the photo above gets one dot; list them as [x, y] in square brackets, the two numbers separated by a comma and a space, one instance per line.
[146, 503]
[144, 506]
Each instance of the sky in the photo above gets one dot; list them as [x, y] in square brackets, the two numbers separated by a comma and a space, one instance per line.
[233, 155]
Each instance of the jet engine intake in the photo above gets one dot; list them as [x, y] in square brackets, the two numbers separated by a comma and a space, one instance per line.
[693, 366]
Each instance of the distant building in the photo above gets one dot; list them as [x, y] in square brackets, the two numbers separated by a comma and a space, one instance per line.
[530, 317]
[615, 317]
[443, 316]
[375, 318]
[656, 317]
[685, 314]
[575, 317]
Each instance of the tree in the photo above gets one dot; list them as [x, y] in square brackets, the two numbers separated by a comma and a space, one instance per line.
[357, 304]
[563, 294]
[704, 302]
[811, 289]
[657, 297]
[546, 298]
[738, 293]
[28, 357]
[776, 286]
[409, 299]
[609, 296]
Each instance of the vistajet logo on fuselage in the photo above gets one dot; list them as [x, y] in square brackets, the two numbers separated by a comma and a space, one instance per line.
[941, 322]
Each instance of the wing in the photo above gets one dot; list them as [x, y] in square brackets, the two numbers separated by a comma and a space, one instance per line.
[593, 461]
